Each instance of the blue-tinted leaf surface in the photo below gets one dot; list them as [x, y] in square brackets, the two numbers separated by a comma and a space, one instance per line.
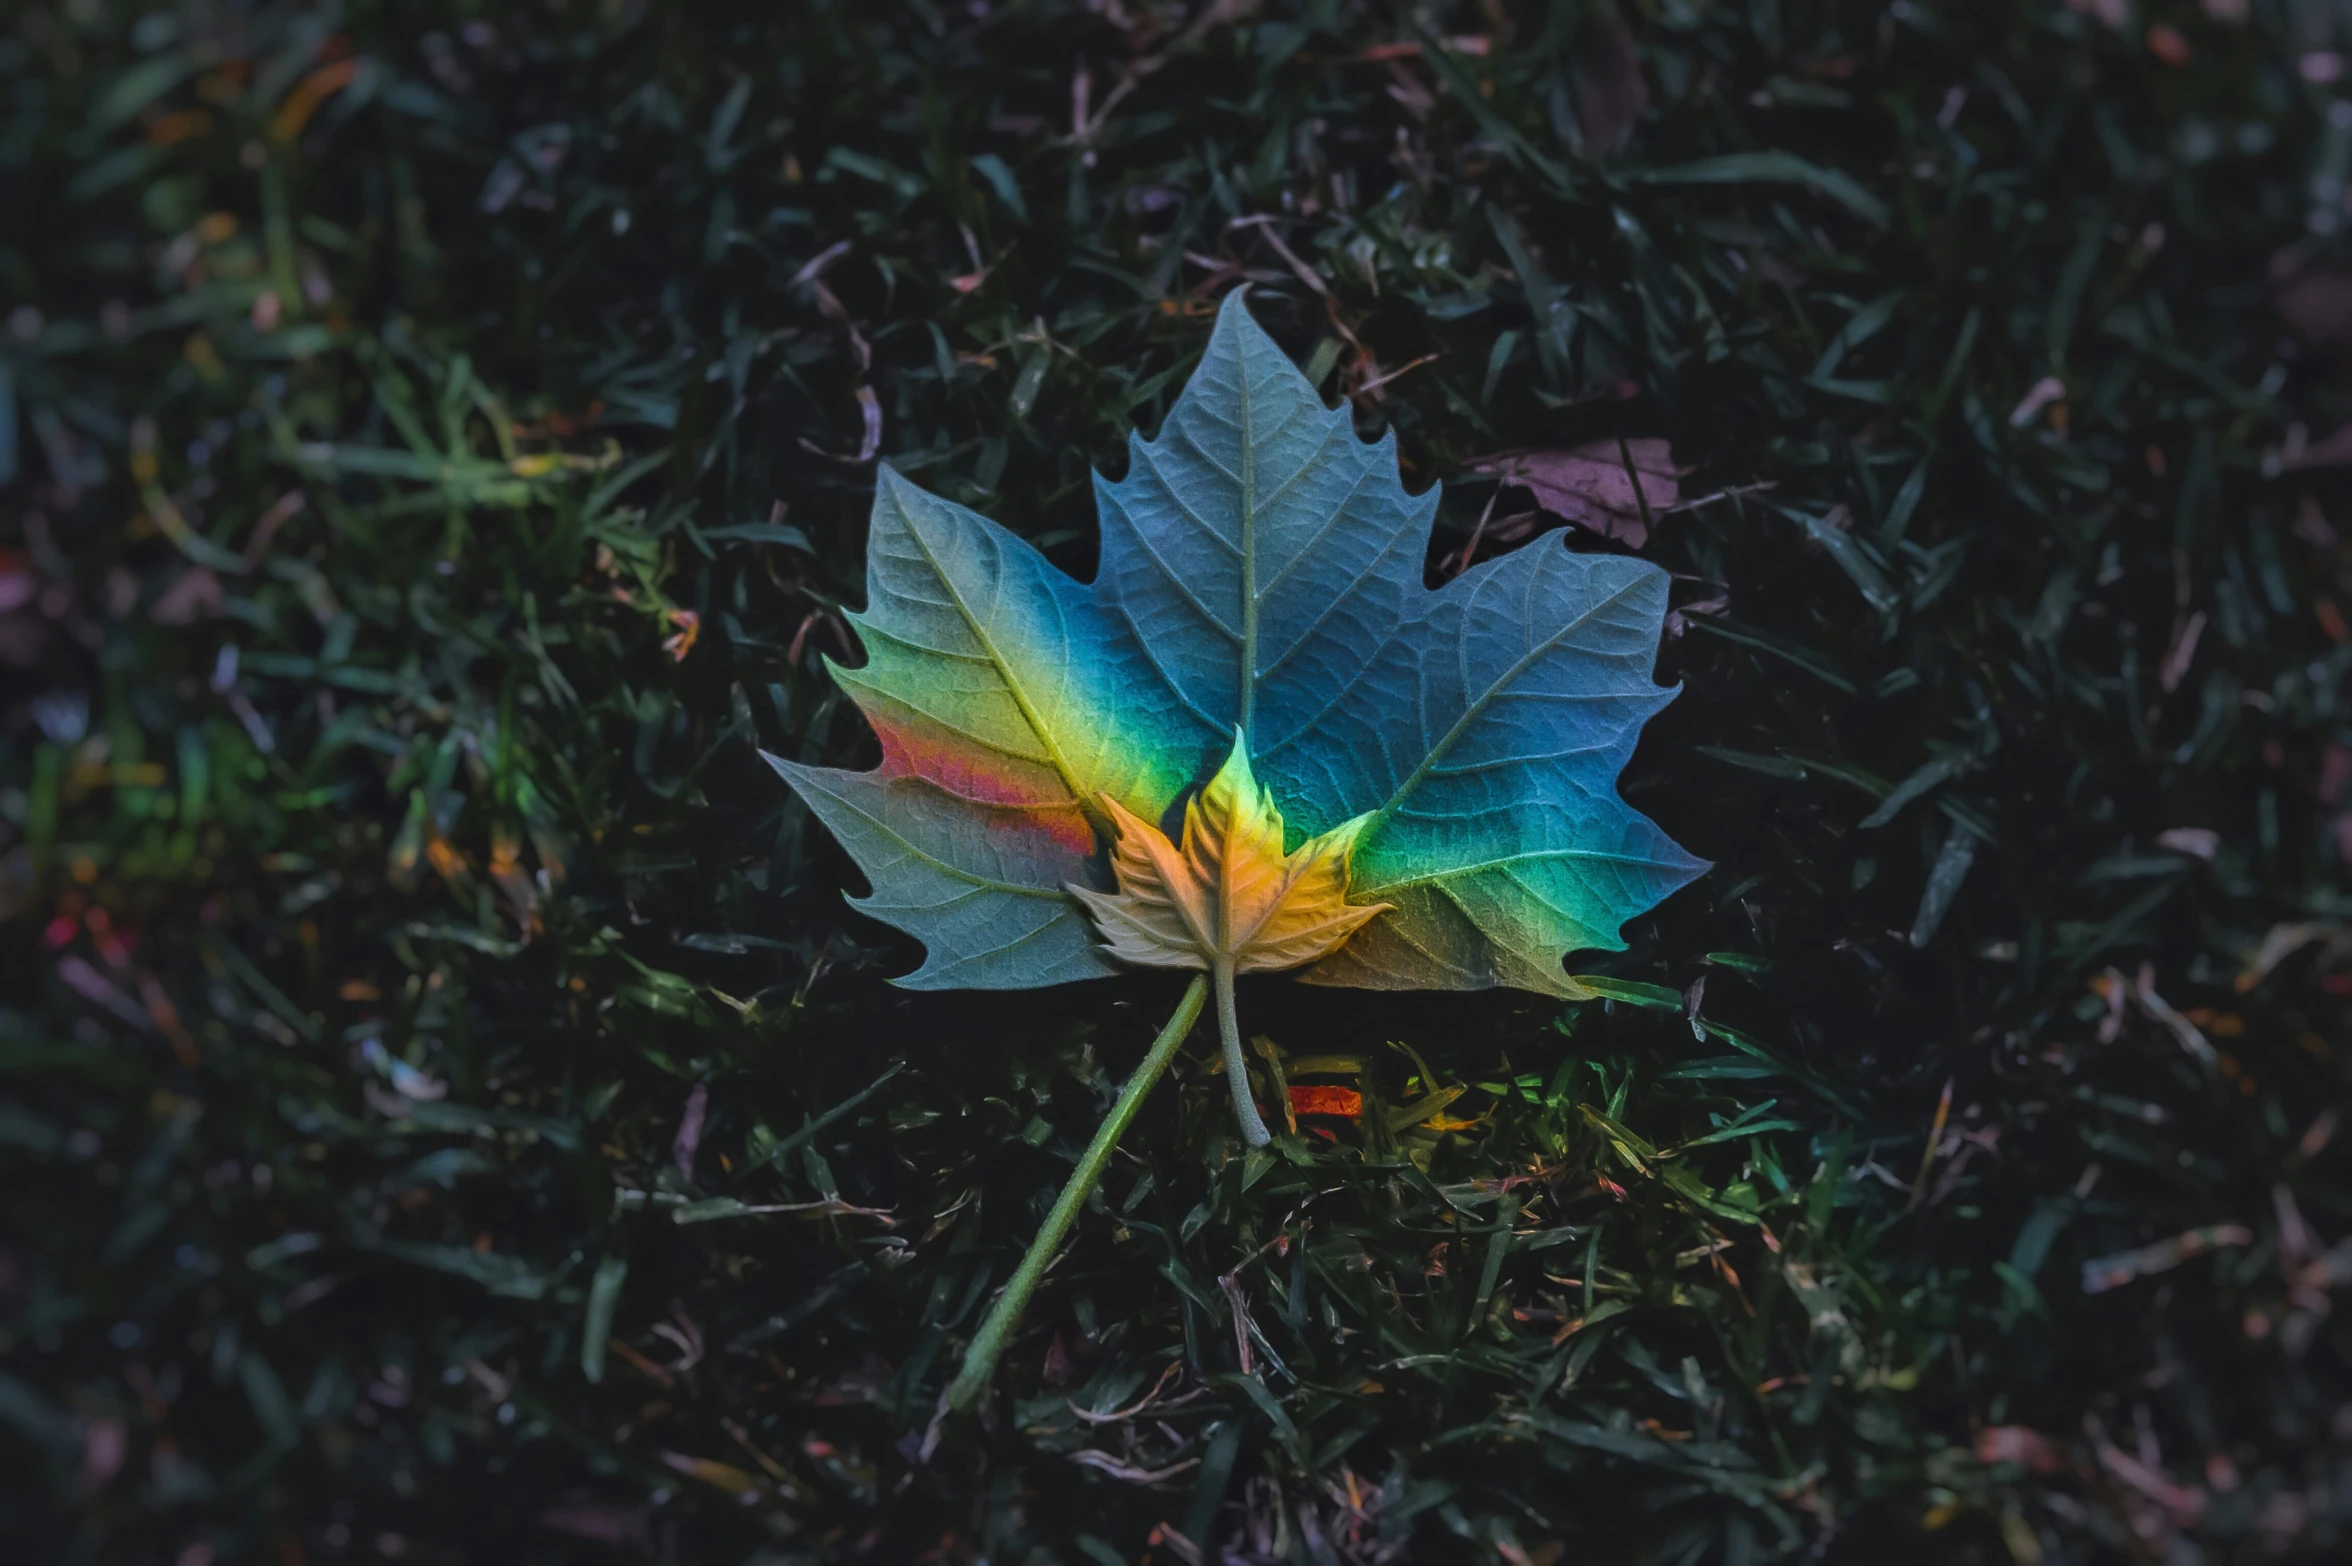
[1260, 553]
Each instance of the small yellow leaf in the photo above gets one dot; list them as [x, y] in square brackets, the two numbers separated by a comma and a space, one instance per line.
[1227, 893]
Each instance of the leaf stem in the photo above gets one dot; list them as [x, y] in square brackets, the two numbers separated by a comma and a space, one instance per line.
[1245, 1109]
[989, 1343]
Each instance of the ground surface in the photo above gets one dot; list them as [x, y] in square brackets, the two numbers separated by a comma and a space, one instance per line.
[447, 1113]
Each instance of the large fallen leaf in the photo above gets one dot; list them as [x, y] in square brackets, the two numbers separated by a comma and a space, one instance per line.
[1404, 789]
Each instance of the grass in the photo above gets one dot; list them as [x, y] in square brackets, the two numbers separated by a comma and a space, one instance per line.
[446, 1110]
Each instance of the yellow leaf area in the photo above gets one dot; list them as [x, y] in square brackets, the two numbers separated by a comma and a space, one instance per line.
[1227, 898]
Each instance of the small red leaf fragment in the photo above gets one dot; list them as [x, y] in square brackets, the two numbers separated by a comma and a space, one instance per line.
[1346, 1102]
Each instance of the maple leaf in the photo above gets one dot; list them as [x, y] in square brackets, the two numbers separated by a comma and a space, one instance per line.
[1445, 761]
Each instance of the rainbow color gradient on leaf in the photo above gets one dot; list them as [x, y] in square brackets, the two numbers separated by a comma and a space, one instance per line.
[1074, 774]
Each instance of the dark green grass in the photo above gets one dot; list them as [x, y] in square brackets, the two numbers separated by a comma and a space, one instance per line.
[390, 875]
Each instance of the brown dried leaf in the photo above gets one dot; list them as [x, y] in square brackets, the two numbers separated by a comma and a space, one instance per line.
[1610, 92]
[1593, 485]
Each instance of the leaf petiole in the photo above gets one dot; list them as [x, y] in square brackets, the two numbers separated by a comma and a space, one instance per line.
[1245, 1108]
[988, 1343]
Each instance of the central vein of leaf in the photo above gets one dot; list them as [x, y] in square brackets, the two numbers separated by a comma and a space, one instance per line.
[1247, 705]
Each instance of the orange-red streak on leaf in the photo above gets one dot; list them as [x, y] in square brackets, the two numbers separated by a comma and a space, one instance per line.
[948, 762]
